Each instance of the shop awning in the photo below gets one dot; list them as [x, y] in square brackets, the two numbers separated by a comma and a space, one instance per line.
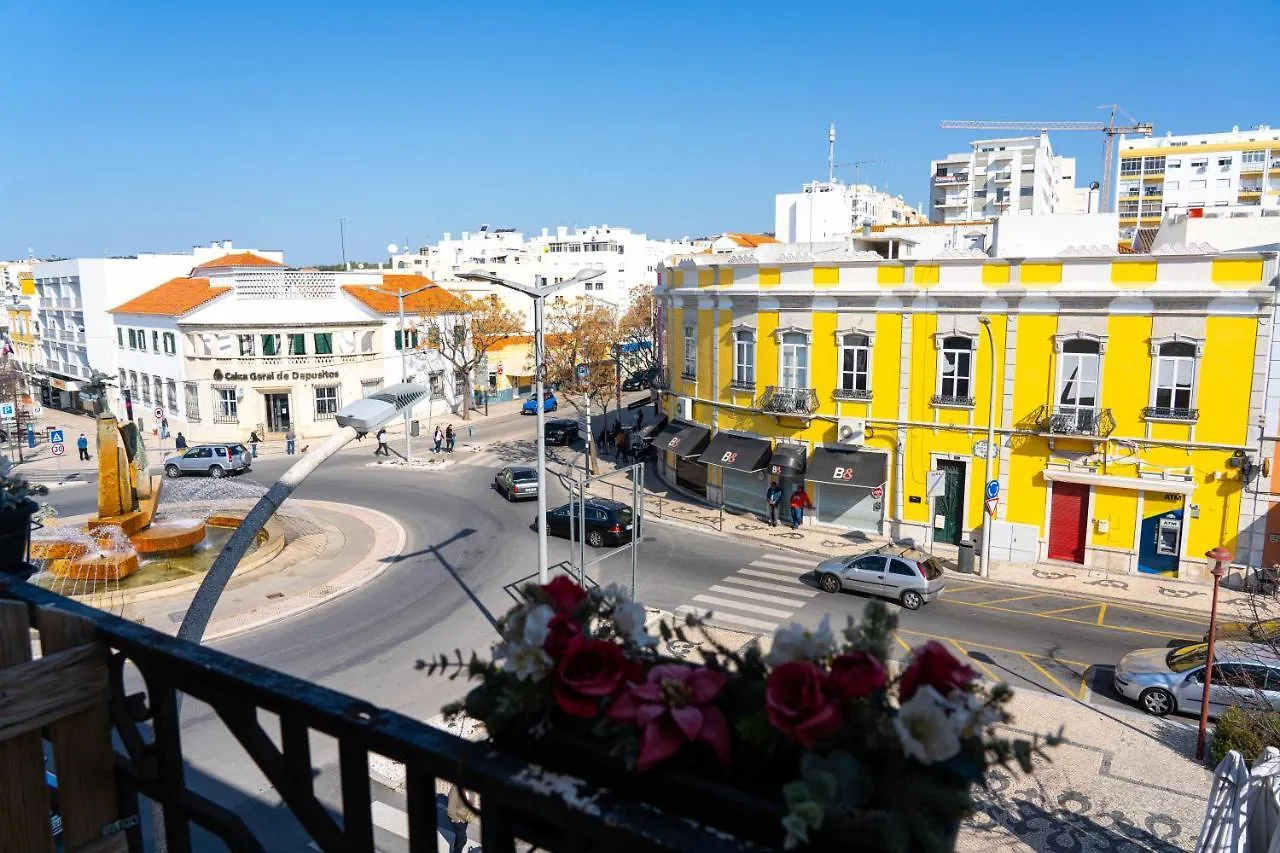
[738, 452]
[648, 431]
[848, 468]
[687, 441]
[788, 460]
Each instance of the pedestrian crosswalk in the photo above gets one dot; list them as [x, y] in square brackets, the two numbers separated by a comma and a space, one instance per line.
[760, 596]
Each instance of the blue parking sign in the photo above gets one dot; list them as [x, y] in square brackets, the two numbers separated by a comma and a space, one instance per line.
[56, 437]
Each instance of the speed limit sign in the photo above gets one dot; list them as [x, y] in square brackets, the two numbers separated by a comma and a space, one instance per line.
[59, 449]
[159, 413]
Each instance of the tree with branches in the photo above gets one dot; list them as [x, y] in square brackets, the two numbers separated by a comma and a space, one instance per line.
[638, 349]
[464, 332]
[582, 331]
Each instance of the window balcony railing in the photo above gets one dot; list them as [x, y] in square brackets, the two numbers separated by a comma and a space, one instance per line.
[518, 805]
[1075, 420]
[226, 419]
[1166, 413]
[788, 401]
[850, 394]
[742, 384]
[691, 375]
[662, 379]
[952, 400]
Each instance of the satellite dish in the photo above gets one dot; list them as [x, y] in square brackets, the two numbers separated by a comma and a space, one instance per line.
[392, 248]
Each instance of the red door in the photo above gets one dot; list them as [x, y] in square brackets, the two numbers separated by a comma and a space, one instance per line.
[1067, 518]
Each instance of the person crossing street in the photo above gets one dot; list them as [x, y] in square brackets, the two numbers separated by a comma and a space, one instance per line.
[381, 449]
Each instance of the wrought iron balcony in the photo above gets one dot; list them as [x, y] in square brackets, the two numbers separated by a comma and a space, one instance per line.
[742, 384]
[788, 401]
[1075, 420]
[1165, 413]
[952, 400]
[851, 394]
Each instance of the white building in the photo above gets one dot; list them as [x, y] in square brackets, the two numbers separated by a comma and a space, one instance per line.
[1237, 172]
[72, 299]
[831, 210]
[242, 346]
[1002, 176]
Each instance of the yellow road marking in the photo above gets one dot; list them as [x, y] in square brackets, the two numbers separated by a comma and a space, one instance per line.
[963, 588]
[1046, 673]
[979, 664]
[986, 646]
[902, 643]
[1146, 633]
[1065, 610]
[1102, 613]
[1084, 683]
[1014, 598]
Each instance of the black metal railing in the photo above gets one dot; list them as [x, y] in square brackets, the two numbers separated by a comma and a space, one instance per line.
[788, 401]
[1165, 413]
[850, 394]
[742, 384]
[661, 379]
[515, 800]
[1074, 420]
[691, 375]
[951, 400]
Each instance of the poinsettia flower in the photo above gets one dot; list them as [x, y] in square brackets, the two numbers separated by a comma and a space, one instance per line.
[673, 707]
[796, 642]
[927, 726]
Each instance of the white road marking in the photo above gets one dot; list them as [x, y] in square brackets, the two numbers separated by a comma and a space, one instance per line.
[773, 576]
[736, 605]
[391, 819]
[807, 562]
[775, 587]
[757, 596]
[719, 616]
[780, 567]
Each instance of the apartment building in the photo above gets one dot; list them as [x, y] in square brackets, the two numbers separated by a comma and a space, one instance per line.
[1231, 173]
[996, 177]
[1127, 391]
[831, 210]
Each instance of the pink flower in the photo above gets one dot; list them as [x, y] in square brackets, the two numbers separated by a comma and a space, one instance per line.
[563, 594]
[672, 707]
[933, 666]
[854, 674]
[799, 705]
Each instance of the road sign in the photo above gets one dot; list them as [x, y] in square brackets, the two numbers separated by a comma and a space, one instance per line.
[980, 449]
[7, 410]
[581, 371]
[56, 436]
[59, 449]
[993, 489]
[37, 410]
[877, 492]
[935, 484]
[991, 506]
[159, 413]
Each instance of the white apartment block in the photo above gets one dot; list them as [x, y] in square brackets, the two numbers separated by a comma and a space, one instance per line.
[996, 177]
[1236, 173]
[831, 210]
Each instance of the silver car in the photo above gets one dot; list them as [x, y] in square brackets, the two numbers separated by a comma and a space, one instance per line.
[216, 460]
[1162, 681]
[908, 576]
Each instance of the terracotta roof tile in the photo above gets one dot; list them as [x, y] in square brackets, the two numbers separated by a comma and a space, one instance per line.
[750, 241]
[513, 341]
[240, 259]
[173, 298]
[382, 298]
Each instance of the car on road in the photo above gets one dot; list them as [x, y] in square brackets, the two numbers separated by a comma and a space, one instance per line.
[561, 431]
[1163, 681]
[1260, 631]
[640, 380]
[549, 404]
[517, 483]
[216, 460]
[607, 522]
[907, 575]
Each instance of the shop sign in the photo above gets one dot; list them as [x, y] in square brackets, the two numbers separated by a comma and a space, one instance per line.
[274, 376]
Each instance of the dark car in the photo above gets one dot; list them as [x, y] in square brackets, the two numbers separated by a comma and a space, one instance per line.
[517, 483]
[640, 380]
[608, 522]
[561, 431]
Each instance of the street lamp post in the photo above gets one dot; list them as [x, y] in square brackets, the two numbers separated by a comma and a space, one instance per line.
[1219, 557]
[539, 293]
[988, 517]
[404, 365]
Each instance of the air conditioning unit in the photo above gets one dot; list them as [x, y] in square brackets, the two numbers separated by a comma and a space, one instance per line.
[851, 430]
[684, 408]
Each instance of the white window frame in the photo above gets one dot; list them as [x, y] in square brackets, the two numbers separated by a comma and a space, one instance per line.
[744, 357]
[191, 402]
[170, 343]
[226, 404]
[330, 405]
[954, 400]
[689, 368]
[800, 343]
[851, 391]
[1156, 359]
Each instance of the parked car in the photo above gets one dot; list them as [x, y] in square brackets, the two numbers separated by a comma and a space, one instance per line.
[907, 575]
[216, 460]
[517, 483]
[549, 404]
[608, 522]
[561, 431]
[1165, 680]
[1261, 631]
[640, 380]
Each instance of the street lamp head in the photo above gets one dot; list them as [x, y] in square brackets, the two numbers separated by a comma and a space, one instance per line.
[587, 274]
[984, 320]
[369, 413]
[1220, 557]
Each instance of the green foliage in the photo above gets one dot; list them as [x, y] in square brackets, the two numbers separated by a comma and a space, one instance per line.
[1247, 732]
[15, 491]
[874, 634]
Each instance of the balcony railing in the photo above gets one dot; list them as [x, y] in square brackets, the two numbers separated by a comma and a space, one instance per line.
[788, 401]
[952, 400]
[850, 394]
[1166, 413]
[1075, 420]
[518, 805]
[742, 384]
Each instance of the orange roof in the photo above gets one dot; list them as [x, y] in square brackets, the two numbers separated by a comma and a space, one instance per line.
[750, 241]
[173, 298]
[382, 298]
[513, 341]
[239, 259]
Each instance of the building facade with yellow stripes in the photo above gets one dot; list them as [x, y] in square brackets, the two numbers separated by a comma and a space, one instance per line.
[1127, 396]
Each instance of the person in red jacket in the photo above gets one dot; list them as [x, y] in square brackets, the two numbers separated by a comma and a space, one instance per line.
[799, 503]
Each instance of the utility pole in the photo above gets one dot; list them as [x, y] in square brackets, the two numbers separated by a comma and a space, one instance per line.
[342, 237]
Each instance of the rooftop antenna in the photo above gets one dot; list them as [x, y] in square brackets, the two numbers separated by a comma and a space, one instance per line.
[831, 153]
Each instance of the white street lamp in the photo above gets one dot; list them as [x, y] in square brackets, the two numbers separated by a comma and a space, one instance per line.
[404, 368]
[988, 518]
[539, 292]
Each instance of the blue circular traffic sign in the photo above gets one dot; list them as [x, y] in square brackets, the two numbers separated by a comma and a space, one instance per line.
[993, 489]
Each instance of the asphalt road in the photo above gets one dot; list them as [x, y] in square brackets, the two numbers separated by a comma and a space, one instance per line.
[466, 545]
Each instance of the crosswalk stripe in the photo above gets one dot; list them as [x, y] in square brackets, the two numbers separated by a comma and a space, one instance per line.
[391, 819]
[774, 587]
[730, 617]
[772, 575]
[757, 596]
[781, 567]
[807, 562]
[737, 605]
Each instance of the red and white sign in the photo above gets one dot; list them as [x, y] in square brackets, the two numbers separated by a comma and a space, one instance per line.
[877, 492]
[159, 413]
[842, 473]
[59, 449]
[729, 457]
[991, 506]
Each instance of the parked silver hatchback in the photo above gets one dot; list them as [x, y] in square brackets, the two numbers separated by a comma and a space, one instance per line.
[907, 575]
[216, 460]
[1165, 680]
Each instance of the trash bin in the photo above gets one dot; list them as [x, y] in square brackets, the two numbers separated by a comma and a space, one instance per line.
[965, 556]
[413, 428]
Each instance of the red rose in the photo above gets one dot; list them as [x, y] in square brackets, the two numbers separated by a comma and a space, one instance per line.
[589, 670]
[563, 594]
[798, 705]
[933, 666]
[855, 675]
[560, 631]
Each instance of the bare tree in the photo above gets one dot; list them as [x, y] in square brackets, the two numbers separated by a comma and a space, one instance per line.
[464, 332]
[582, 332]
[13, 384]
[637, 346]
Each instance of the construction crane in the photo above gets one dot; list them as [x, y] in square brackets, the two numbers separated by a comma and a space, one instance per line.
[1109, 128]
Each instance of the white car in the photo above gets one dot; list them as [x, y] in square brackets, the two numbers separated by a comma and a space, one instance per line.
[1163, 681]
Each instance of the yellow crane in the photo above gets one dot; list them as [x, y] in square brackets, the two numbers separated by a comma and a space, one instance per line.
[1109, 128]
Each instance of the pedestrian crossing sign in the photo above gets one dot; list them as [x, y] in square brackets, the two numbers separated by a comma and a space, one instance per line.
[56, 436]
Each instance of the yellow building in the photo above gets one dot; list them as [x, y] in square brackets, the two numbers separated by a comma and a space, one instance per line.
[23, 336]
[1127, 394]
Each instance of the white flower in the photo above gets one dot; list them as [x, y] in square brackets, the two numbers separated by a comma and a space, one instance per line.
[796, 642]
[527, 663]
[926, 726]
[629, 619]
[528, 627]
[972, 714]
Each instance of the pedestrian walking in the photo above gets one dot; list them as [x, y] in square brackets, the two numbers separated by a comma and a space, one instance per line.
[180, 443]
[639, 418]
[381, 449]
[253, 443]
[438, 438]
[623, 446]
[799, 503]
[602, 438]
[82, 444]
[773, 497]
[450, 438]
[290, 442]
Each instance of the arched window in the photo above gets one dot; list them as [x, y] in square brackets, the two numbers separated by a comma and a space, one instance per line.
[795, 360]
[744, 358]
[956, 371]
[1175, 377]
[855, 367]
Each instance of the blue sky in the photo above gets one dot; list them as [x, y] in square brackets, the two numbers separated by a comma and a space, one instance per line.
[136, 126]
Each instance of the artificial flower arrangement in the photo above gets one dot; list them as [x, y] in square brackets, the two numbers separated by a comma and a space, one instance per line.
[818, 737]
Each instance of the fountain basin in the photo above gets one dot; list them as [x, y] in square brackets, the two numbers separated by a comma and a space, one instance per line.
[96, 567]
[169, 537]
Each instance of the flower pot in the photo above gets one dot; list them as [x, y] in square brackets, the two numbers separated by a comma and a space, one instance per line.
[15, 537]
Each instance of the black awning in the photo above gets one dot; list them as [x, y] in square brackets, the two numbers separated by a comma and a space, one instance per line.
[649, 431]
[849, 468]
[685, 440]
[788, 460]
[737, 452]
